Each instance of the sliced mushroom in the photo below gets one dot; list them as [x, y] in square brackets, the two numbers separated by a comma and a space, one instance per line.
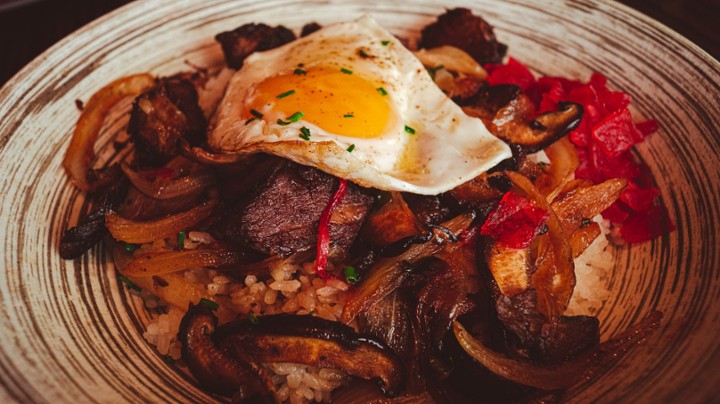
[316, 342]
[216, 370]
[507, 112]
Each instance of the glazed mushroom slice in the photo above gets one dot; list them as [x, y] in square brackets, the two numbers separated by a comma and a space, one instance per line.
[314, 341]
[216, 370]
[507, 112]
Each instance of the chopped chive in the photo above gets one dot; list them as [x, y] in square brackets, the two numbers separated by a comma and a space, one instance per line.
[129, 248]
[256, 114]
[348, 116]
[168, 359]
[286, 93]
[129, 283]
[283, 123]
[543, 230]
[363, 54]
[350, 274]
[253, 319]
[181, 240]
[209, 303]
[299, 72]
[382, 91]
[542, 164]
[346, 71]
[409, 130]
[385, 43]
[351, 148]
[296, 116]
[250, 120]
[305, 133]
[585, 222]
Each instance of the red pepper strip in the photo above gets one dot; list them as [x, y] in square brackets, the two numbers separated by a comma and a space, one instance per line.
[323, 244]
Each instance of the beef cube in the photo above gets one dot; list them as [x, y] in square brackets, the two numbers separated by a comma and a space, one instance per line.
[283, 214]
[161, 116]
[246, 39]
[460, 28]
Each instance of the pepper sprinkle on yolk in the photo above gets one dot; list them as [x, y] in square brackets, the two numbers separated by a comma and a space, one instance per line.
[326, 96]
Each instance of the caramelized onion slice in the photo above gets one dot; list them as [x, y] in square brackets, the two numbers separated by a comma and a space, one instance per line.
[451, 58]
[316, 342]
[164, 189]
[80, 154]
[509, 267]
[160, 263]
[554, 269]
[388, 273]
[392, 222]
[586, 203]
[174, 289]
[131, 231]
[580, 368]
[563, 162]
[203, 156]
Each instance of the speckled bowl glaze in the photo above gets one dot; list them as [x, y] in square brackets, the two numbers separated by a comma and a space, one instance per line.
[71, 333]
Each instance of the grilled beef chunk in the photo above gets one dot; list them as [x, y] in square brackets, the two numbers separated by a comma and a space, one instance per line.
[460, 28]
[535, 337]
[161, 116]
[246, 39]
[429, 209]
[309, 28]
[282, 215]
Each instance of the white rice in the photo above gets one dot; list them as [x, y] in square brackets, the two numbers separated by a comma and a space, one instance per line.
[592, 271]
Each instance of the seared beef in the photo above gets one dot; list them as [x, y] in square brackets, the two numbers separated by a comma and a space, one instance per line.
[282, 215]
[427, 208]
[161, 116]
[246, 39]
[460, 28]
[535, 337]
[309, 28]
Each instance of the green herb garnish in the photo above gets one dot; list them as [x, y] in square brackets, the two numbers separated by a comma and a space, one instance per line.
[382, 91]
[585, 222]
[209, 303]
[129, 283]
[351, 148]
[348, 116]
[181, 240]
[385, 43]
[292, 118]
[542, 164]
[409, 130]
[305, 133]
[253, 319]
[250, 120]
[299, 72]
[256, 114]
[350, 274]
[129, 248]
[346, 71]
[168, 359]
[286, 94]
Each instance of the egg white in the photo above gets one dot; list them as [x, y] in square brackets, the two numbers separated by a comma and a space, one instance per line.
[446, 149]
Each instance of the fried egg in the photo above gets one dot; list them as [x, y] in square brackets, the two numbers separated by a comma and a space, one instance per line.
[351, 100]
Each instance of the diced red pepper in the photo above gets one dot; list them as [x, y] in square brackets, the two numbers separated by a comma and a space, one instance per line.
[616, 133]
[513, 72]
[644, 226]
[639, 199]
[323, 243]
[515, 222]
[648, 127]
[616, 213]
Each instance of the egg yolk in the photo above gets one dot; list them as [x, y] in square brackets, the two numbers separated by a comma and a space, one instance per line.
[334, 99]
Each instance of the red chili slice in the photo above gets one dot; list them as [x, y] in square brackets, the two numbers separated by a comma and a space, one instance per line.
[515, 221]
[323, 244]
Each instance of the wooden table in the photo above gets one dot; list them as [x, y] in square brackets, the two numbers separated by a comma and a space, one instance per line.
[27, 30]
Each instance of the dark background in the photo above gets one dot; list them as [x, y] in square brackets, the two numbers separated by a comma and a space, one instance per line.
[28, 27]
